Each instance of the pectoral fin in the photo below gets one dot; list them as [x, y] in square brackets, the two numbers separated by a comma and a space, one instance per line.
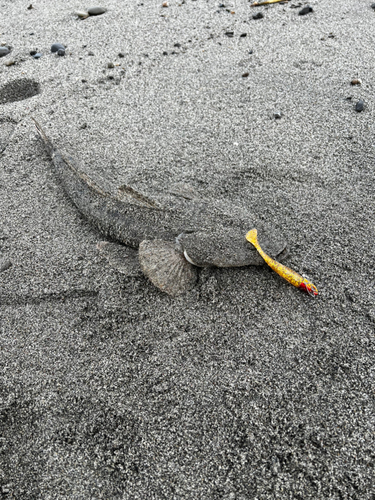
[166, 267]
[123, 259]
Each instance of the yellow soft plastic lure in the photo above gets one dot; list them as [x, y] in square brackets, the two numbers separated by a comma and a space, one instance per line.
[288, 274]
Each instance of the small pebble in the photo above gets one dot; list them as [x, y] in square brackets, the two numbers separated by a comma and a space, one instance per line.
[359, 106]
[165, 53]
[306, 10]
[120, 54]
[30, 7]
[373, 6]
[251, 51]
[165, 4]
[61, 52]
[91, 53]
[245, 75]
[4, 51]
[356, 81]
[38, 55]
[230, 34]
[10, 62]
[222, 6]
[4, 265]
[277, 115]
[96, 11]
[258, 16]
[243, 35]
[57, 46]
[178, 45]
[82, 15]
[33, 52]
[110, 65]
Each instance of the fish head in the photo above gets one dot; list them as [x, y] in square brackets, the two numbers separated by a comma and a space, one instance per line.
[227, 247]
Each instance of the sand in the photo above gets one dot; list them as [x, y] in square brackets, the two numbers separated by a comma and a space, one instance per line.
[244, 388]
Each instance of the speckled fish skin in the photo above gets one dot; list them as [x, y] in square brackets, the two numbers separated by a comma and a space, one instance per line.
[285, 272]
[131, 222]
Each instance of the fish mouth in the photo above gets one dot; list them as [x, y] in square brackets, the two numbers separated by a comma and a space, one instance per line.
[284, 253]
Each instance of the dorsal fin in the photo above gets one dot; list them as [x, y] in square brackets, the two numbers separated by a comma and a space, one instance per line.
[127, 193]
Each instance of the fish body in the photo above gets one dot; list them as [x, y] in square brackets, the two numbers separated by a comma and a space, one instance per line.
[202, 234]
[285, 272]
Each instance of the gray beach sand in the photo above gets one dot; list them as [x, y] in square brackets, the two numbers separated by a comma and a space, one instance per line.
[244, 388]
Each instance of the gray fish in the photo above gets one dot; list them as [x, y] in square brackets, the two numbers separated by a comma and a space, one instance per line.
[175, 232]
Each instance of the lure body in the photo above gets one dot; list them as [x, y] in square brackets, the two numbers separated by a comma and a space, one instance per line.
[285, 272]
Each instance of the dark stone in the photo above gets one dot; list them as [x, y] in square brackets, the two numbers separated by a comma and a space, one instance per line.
[55, 47]
[38, 55]
[33, 52]
[165, 53]
[359, 106]
[245, 75]
[221, 6]
[243, 35]
[61, 52]
[306, 10]
[258, 16]
[178, 45]
[251, 52]
[230, 34]
[277, 115]
[373, 6]
[91, 53]
[96, 11]
[4, 51]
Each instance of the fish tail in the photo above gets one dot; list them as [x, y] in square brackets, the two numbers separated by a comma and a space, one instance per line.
[47, 142]
[252, 237]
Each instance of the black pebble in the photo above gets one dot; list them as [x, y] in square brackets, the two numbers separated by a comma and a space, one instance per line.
[177, 45]
[33, 52]
[258, 16]
[305, 10]
[373, 6]
[221, 6]
[96, 11]
[277, 115]
[61, 52]
[251, 51]
[55, 47]
[229, 33]
[243, 35]
[165, 53]
[359, 106]
[120, 54]
[4, 51]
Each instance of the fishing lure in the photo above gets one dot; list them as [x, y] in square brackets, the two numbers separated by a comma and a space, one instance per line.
[288, 274]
